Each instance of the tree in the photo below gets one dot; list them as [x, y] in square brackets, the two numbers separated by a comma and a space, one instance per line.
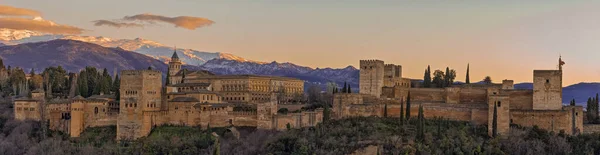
[106, 82]
[183, 75]
[408, 106]
[487, 80]
[326, 113]
[446, 77]
[345, 89]
[450, 76]
[438, 79]
[495, 121]
[2, 65]
[82, 82]
[349, 89]
[589, 109]
[149, 67]
[57, 80]
[385, 114]
[427, 78]
[597, 105]
[168, 81]
[421, 124]
[401, 113]
[467, 80]
[572, 103]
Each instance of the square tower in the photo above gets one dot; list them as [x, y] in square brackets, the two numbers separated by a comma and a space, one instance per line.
[371, 77]
[501, 104]
[392, 75]
[547, 89]
[140, 91]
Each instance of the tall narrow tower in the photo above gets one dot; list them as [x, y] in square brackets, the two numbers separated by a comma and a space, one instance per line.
[174, 64]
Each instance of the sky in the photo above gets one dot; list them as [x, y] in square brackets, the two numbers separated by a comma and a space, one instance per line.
[501, 39]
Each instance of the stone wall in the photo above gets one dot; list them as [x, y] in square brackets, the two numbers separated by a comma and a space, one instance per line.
[298, 120]
[551, 120]
[520, 99]
[473, 95]
[591, 128]
[427, 95]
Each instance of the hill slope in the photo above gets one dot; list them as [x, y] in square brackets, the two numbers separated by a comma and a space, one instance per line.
[74, 55]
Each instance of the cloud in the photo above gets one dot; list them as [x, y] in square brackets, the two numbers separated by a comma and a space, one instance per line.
[12, 11]
[115, 24]
[186, 22]
[38, 25]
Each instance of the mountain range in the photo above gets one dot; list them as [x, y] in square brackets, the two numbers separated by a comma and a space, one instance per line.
[28, 49]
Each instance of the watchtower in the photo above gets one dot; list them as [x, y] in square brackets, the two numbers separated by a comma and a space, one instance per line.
[140, 92]
[371, 77]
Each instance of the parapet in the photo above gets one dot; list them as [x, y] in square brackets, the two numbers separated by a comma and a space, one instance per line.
[138, 72]
[546, 72]
[371, 62]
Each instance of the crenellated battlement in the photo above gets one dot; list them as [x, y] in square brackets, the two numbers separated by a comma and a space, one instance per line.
[138, 72]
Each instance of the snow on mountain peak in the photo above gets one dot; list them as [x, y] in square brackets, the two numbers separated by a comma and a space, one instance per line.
[138, 45]
[12, 34]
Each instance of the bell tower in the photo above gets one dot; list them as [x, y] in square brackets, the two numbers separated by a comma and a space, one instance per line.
[174, 64]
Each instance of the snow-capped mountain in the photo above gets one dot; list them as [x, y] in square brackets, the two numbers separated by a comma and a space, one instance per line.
[316, 76]
[11, 35]
[147, 47]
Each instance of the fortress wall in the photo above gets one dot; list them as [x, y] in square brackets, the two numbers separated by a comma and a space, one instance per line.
[427, 94]
[470, 95]
[219, 119]
[364, 110]
[281, 122]
[520, 99]
[243, 118]
[551, 120]
[452, 95]
[591, 128]
[292, 107]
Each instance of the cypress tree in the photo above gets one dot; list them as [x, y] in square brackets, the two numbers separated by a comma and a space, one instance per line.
[597, 105]
[106, 82]
[385, 114]
[401, 113]
[408, 106]
[345, 89]
[149, 68]
[589, 109]
[495, 121]
[326, 113]
[182, 75]
[2, 64]
[421, 124]
[83, 83]
[447, 77]
[427, 77]
[168, 81]
[349, 89]
[467, 80]
[116, 87]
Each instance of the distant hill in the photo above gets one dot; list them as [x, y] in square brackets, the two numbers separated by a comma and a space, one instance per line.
[74, 55]
[316, 76]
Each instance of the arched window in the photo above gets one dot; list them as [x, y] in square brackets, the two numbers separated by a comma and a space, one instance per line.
[95, 110]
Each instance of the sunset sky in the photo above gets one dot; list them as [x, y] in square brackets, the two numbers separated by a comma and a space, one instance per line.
[502, 39]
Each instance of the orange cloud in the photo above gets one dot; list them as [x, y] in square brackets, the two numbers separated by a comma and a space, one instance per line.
[12, 11]
[186, 22]
[115, 24]
[38, 25]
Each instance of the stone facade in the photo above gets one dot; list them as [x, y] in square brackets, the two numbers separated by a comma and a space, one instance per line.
[547, 88]
[474, 103]
[200, 99]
